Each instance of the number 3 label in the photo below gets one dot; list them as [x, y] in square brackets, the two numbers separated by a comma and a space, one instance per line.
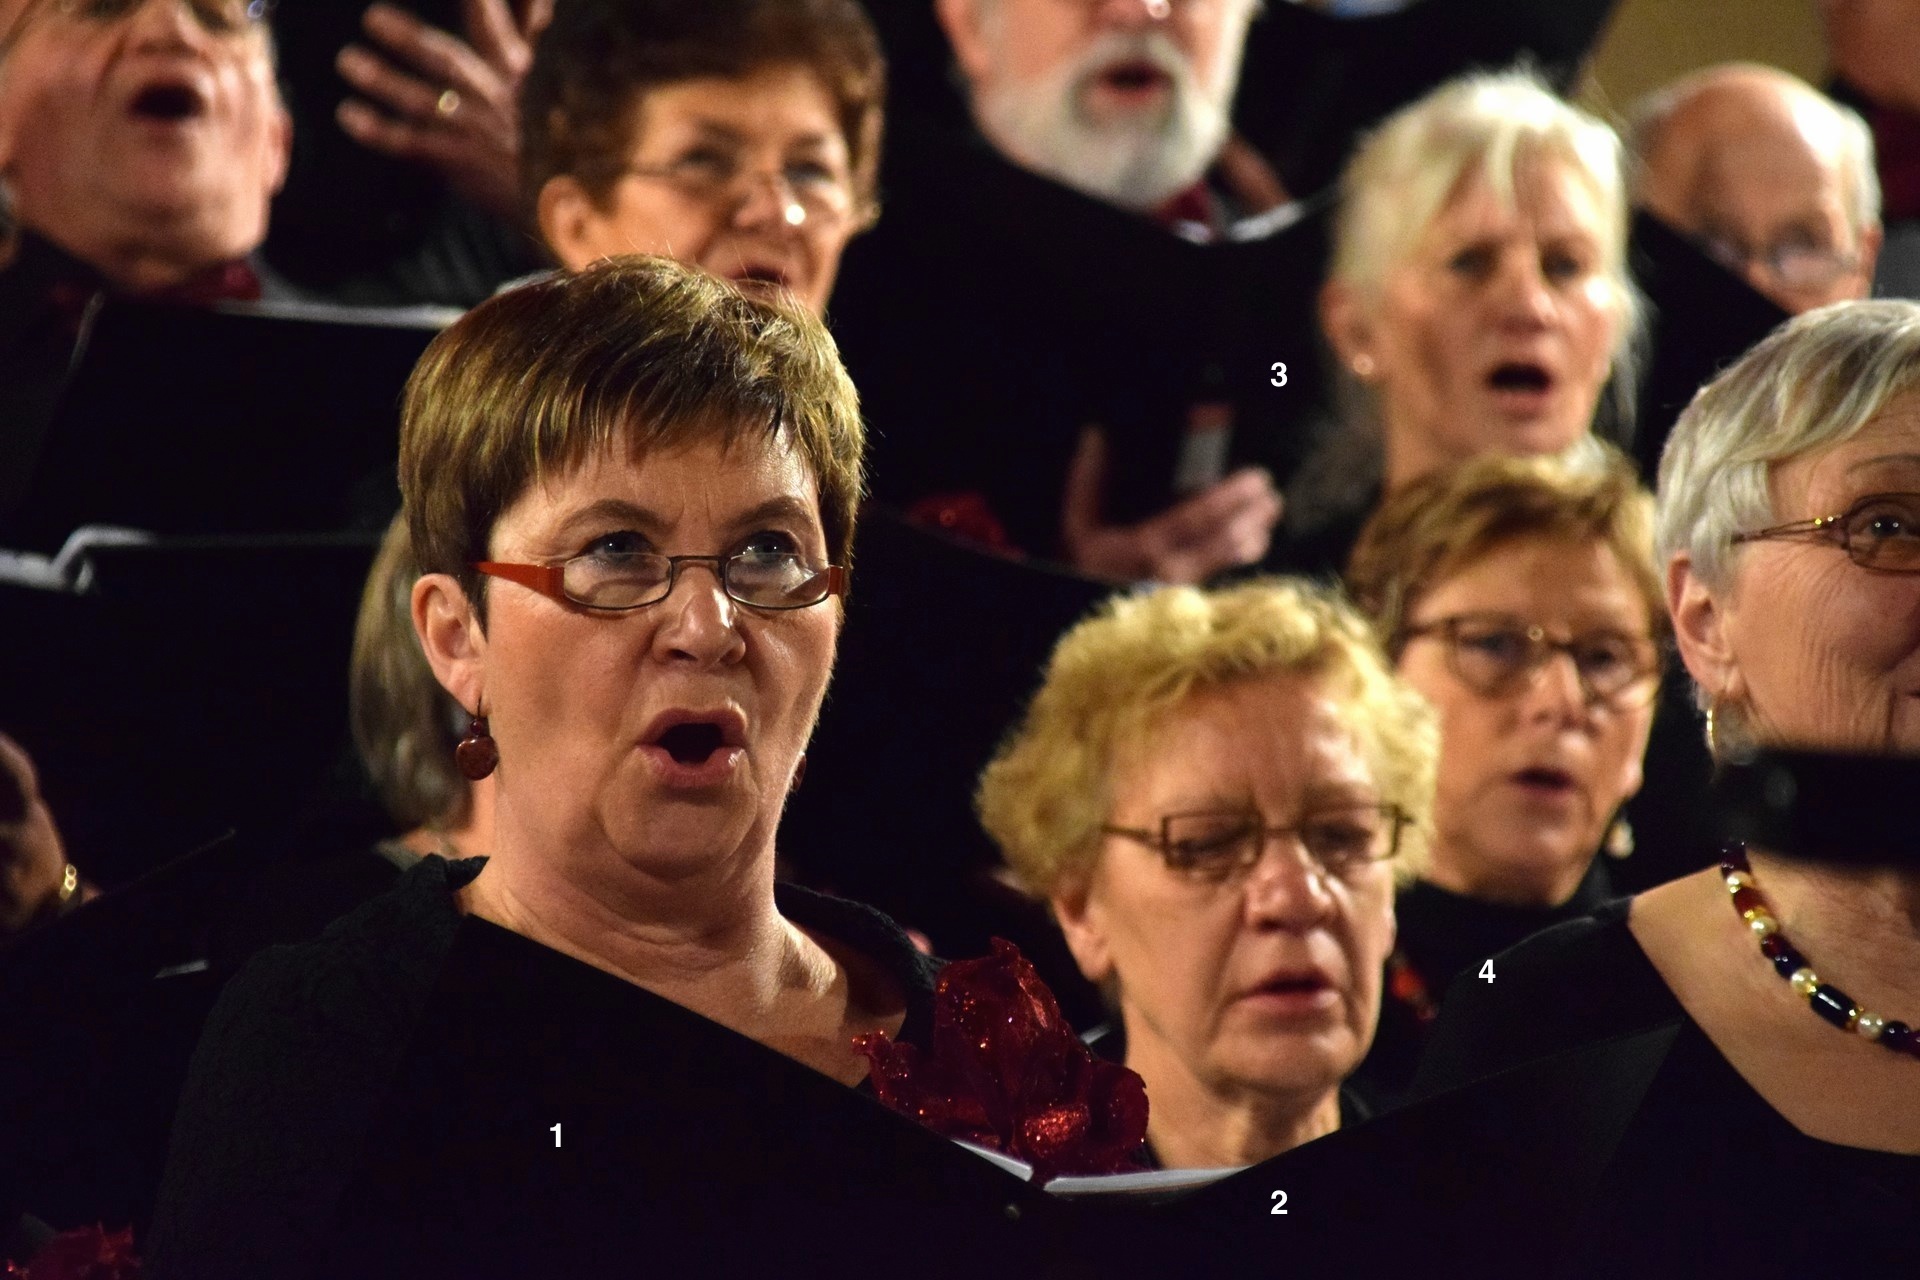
[1279, 1199]
[1279, 378]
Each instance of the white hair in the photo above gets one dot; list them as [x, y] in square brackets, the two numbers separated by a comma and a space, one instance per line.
[1808, 386]
[1405, 173]
[1134, 164]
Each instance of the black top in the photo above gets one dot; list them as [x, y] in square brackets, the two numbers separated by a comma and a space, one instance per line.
[384, 1101]
[1703, 1162]
[1442, 936]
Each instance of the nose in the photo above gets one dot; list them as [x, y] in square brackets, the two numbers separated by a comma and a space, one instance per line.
[698, 621]
[1134, 15]
[769, 203]
[165, 24]
[1287, 889]
[1526, 300]
[1556, 691]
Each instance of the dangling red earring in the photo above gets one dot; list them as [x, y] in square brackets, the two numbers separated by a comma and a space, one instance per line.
[478, 754]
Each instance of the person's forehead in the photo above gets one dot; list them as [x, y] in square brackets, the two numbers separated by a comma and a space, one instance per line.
[784, 99]
[1282, 729]
[1883, 455]
[1548, 198]
[1536, 577]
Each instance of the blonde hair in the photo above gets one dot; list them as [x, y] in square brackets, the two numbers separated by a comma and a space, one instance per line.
[640, 351]
[1491, 126]
[1047, 792]
[1433, 528]
[405, 726]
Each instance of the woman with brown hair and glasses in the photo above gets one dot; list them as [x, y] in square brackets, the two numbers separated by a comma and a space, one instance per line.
[1216, 792]
[1519, 596]
[631, 492]
[739, 136]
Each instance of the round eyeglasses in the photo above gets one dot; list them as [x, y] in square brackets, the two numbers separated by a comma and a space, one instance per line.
[632, 579]
[1495, 654]
[1795, 267]
[1341, 840]
[1880, 532]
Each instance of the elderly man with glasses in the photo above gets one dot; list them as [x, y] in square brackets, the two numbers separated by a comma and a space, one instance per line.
[1774, 181]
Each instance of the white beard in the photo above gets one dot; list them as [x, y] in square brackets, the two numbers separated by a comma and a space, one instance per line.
[1138, 162]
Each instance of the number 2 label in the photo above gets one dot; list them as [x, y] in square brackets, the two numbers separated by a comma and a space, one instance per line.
[1279, 1199]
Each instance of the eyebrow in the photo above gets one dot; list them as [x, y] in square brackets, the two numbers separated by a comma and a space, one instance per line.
[785, 507]
[726, 132]
[1885, 459]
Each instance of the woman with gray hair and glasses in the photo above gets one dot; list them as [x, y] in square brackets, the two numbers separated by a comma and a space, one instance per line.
[1787, 980]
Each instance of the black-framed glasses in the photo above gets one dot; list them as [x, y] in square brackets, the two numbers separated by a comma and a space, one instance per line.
[808, 191]
[1495, 654]
[1880, 532]
[1217, 843]
[1793, 265]
[633, 579]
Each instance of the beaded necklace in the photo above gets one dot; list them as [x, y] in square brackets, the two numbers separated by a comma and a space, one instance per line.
[1831, 1003]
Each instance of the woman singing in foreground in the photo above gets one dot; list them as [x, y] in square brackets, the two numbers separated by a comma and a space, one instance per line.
[632, 495]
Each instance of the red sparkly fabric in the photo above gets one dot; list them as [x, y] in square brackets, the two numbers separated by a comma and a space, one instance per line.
[86, 1253]
[1007, 1072]
[965, 515]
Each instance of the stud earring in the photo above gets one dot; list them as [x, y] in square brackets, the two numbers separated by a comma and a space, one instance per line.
[478, 754]
[1620, 839]
[1363, 367]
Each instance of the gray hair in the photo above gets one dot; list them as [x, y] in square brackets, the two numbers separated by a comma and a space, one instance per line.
[1404, 174]
[1860, 179]
[1808, 386]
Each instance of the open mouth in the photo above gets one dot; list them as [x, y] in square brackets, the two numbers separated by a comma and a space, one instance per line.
[1134, 77]
[1546, 781]
[167, 103]
[1520, 376]
[692, 743]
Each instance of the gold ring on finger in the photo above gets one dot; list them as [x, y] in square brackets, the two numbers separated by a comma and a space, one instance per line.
[448, 103]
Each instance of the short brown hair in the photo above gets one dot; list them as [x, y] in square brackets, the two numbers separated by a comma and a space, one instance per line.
[598, 58]
[635, 349]
[1437, 526]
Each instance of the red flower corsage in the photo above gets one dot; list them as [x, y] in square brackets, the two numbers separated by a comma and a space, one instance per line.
[85, 1253]
[1007, 1072]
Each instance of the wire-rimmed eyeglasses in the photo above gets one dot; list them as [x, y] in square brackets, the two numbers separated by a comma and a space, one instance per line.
[808, 191]
[633, 579]
[1494, 654]
[1880, 532]
[1217, 843]
[1793, 266]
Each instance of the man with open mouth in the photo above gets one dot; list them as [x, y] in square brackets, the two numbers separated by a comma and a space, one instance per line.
[141, 143]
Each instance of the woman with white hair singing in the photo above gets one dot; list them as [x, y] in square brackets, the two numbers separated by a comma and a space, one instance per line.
[1478, 299]
[1789, 525]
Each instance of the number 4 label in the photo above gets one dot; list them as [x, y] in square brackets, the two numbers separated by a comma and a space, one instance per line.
[1486, 971]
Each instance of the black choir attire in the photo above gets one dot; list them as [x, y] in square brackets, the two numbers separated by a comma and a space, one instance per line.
[1704, 1178]
[1444, 937]
[1109, 1041]
[425, 1093]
